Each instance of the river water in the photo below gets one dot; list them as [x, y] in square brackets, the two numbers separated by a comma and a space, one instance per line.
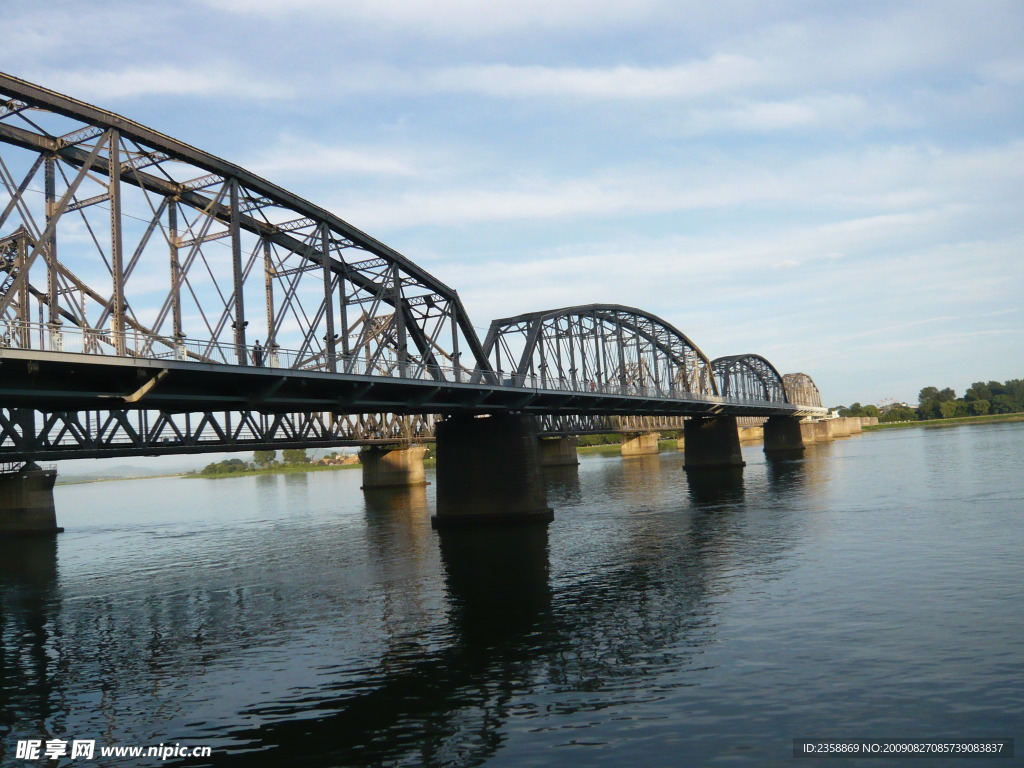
[872, 590]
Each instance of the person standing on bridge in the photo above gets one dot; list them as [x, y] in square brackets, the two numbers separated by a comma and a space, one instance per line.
[257, 354]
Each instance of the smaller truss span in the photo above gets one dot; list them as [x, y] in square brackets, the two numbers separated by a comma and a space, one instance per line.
[801, 390]
[749, 377]
[598, 347]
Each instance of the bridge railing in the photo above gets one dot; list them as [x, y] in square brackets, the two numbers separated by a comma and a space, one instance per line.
[134, 344]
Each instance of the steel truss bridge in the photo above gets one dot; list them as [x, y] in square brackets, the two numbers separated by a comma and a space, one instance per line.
[157, 299]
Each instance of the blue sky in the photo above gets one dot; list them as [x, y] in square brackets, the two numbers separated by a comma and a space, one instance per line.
[837, 186]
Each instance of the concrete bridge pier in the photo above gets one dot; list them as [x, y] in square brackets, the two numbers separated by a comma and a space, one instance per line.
[711, 441]
[559, 451]
[26, 501]
[809, 432]
[393, 467]
[488, 472]
[840, 427]
[751, 434]
[783, 438]
[640, 445]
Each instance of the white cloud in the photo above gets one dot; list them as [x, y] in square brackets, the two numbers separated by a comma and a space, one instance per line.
[205, 81]
[810, 112]
[292, 156]
[451, 18]
[722, 72]
[863, 184]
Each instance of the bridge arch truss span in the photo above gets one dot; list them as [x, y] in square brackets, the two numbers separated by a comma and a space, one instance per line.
[118, 240]
[598, 347]
[749, 377]
[801, 390]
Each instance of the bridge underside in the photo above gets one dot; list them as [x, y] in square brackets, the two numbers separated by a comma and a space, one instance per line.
[54, 381]
[68, 406]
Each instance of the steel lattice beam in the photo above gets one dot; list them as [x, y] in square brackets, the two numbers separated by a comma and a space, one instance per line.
[384, 309]
[750, 377]
[27, 435]
[599, 345]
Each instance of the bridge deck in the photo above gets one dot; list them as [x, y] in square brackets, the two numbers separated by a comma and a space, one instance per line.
[70, 381]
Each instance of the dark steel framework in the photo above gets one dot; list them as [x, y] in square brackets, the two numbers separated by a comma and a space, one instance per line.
[801, 390]
[182, 255]
[749, 377]
[31, 435]
[157, 299]
[599, 347]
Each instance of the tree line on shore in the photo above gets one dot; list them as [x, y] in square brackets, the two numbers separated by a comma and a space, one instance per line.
[980, 399]
[261, 460]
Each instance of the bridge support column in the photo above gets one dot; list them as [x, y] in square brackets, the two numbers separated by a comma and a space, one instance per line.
[558, 451]
[809, 432]
[712, 441]
[840, 428]
[641, 445]
[751, 434]
[393, 467]
[823, 430]
[26, 501]
[488, 472]
[783, 438]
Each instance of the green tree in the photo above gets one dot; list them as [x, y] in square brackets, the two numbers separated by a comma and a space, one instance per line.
[1015, 389]
[928, 403]
[1002, 404]
[898, 413]
[264, 459]
[294, 456]
[871, 410]
[947, 409]
[980, 407]
[979, 390]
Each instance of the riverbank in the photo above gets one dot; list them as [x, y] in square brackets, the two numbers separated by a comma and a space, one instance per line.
[995, 418]
[614, 449]
[286, 469]
[80, 480]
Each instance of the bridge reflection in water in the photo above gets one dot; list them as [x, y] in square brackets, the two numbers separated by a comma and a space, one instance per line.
[401, 644]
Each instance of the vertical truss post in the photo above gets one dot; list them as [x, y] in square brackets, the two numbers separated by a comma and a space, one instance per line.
[173, 241]
[622, 356]
[558, 348]
[343, 312]
[239, 275]
[456, 366]
[325, 259]
[22, 332]
[572, 353]
[543, 347]
[268, 287]
[50, 247]
[403, 341]
[116, 244]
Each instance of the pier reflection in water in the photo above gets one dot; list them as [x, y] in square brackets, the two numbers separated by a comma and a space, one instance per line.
[297, 620]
